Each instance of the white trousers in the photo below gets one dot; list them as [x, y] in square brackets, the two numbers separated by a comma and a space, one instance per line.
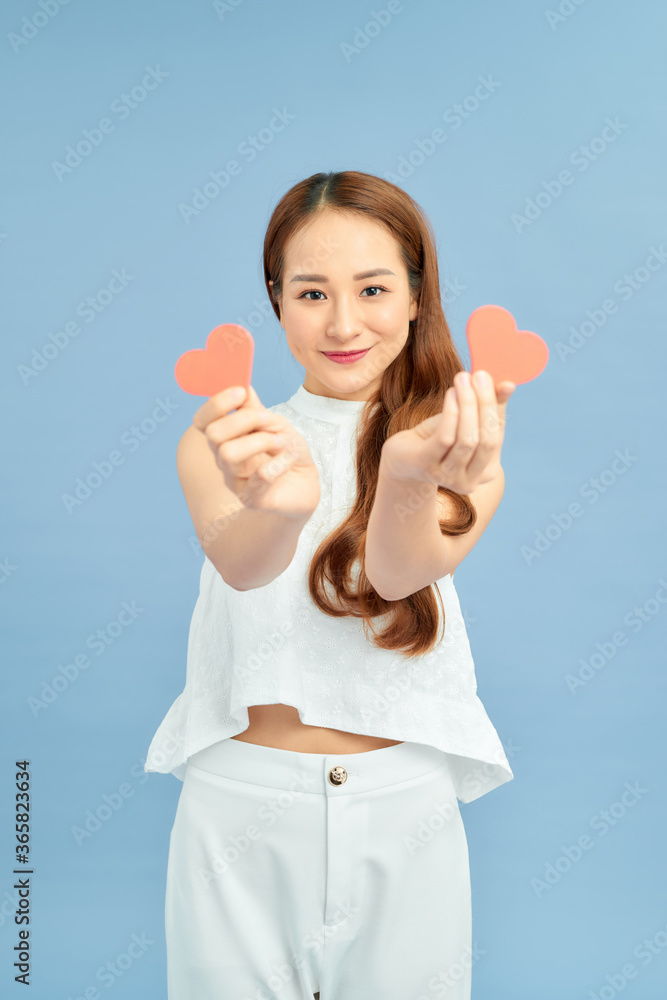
[291, 873]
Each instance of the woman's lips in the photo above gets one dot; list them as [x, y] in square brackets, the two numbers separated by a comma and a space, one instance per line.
[345, 358]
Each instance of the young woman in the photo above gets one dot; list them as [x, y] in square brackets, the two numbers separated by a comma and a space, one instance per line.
[329, 723]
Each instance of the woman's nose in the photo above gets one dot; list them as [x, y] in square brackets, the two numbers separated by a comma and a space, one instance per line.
[345, 320]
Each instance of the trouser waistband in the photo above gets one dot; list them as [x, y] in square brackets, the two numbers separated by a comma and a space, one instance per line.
[331, 773]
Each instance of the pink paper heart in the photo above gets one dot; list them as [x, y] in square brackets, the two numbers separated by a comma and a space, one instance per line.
[225, 361]
[496, 346]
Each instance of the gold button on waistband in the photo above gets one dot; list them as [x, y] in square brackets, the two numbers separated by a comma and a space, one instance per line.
[337, 775]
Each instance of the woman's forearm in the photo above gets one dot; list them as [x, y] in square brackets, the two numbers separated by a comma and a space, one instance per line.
[405, 549]
[256, 547]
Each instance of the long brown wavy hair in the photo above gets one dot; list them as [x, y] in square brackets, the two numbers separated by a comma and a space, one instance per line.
[412, 388]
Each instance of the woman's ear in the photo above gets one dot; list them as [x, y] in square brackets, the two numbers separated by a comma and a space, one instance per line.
[414, 309]
[277, 301]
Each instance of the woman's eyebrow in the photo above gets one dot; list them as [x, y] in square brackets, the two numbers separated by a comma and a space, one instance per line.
[355, 277]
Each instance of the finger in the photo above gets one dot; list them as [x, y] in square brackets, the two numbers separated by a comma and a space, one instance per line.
[217, 405]
[446, 428]
[439, 431]
[491, 418]
[467, 432]
[504, 390]
[241, 422]
[491, 427]
[238, 450]
[275, 467]
[251, 465]
[503, 393]
[253, 400]
[445, 421]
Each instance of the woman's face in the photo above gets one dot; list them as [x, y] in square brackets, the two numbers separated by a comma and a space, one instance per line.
[327, 306]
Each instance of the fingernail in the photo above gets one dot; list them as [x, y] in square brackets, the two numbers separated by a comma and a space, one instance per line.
[482, 379]
[464, 378]
[237, 394]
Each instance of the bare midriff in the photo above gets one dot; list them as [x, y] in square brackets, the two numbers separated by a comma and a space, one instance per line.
[279, 726]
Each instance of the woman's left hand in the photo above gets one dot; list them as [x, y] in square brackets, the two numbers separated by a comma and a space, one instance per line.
[458, 448]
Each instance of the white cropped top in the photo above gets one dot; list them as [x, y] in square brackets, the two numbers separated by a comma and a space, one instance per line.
[272, 645]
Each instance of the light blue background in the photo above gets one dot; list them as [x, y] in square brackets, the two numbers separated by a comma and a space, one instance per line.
[530, 621]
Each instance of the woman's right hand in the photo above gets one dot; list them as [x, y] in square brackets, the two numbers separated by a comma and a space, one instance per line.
[263, 472]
